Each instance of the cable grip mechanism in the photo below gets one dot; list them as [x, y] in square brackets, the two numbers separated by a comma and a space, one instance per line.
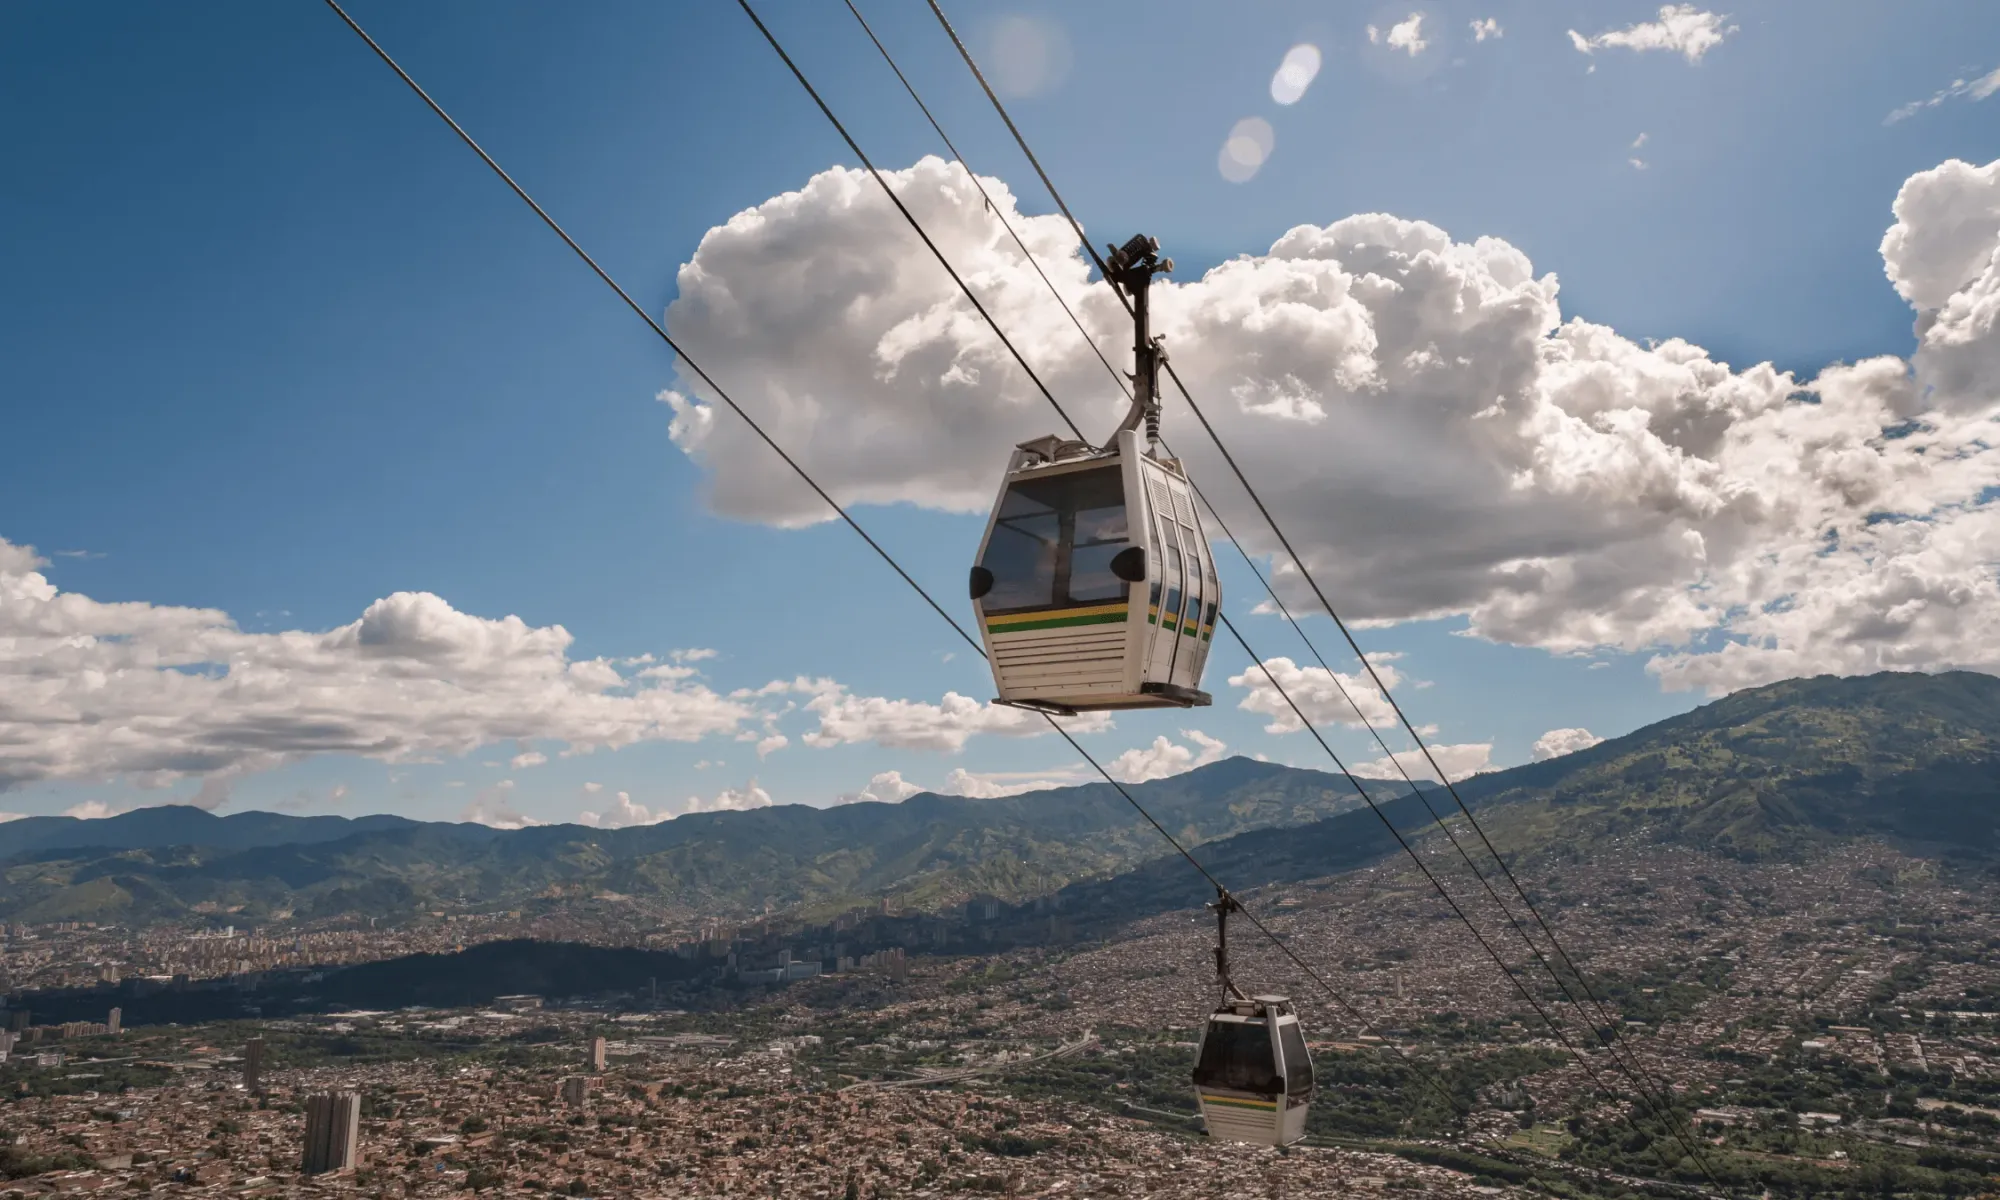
[1131, 268]
[1222, 906]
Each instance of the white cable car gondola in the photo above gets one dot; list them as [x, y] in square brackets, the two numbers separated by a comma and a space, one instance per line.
[1095, 587]
[1253, 1076]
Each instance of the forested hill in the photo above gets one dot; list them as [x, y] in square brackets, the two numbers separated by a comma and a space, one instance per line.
[163, 862]
[1769, 771]
[1775, 770]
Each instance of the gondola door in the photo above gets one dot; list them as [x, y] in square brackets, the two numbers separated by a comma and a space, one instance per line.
[1166, 592]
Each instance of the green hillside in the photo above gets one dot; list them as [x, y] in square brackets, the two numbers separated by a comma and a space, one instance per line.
[927, 850]
[1772, 771]
[1778, 769]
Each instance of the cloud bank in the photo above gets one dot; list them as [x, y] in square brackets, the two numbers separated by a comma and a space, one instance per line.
[1438, 437]
[1558, 742]
[155, 693]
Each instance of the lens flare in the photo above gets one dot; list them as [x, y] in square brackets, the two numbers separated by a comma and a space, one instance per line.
[1296, 73]
[1245, 150]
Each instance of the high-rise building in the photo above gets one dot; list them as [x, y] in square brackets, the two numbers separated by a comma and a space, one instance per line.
[116, 1022]
[253, 1064]
[18, 1020]
[575, 1089]
[333, 1132]
[597, 1054]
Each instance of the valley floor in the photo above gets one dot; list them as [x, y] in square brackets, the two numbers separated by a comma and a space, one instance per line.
[1827, 1028]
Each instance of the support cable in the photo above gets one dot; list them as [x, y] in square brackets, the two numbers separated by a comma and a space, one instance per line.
[643, 314]
[1334, 994]
[908, 215]
[1582, 1060]
[1021, 140]
[1662, 1108]
[984, 195]
[1612, 1048]
[1415, 789]
[1597, 1002]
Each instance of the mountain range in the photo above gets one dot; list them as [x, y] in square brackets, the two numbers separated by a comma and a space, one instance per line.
[169, 861]
[1767, 772]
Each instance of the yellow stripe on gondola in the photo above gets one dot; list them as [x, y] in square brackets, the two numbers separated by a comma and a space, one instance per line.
[1269, 1106]
[1096, 614]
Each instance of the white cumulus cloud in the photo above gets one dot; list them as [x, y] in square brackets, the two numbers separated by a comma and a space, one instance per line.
[154, 693]
[621, 814]
[1582, 491]
[1682, 29]
[1943, 241]
[887, 787]
[1558, 742]
[1318, 694]
[624, 812]
[847, 719]
[1166, 757]
[1943, 256]
[741, 799]
[526, 759]
[994, 784]
[1459, 762]
[1487, 27]
[1406, 35]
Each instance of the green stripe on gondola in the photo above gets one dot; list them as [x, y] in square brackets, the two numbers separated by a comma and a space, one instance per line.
[1269, 1106]
[1057, 620]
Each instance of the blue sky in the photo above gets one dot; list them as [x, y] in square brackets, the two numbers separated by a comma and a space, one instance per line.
[277, 345]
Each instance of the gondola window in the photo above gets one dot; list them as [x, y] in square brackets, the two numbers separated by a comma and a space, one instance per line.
[1298, 1063]
[1236, 1055]
[1053, 542]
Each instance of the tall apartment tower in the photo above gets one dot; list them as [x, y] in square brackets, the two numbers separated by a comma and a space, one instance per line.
[333, 1132]
[597, 1054]
[116, 1021]
[575, 1090]
[253, 1064]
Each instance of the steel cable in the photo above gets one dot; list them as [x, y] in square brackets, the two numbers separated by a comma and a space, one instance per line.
[874, 545]
[1609, 1023]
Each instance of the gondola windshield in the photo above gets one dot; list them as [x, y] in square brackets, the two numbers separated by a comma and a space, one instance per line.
[1053, 542]
[1237, 1055]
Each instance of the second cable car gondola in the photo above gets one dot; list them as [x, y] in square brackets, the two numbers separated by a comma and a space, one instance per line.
[1095, 587]
[1253, 1076]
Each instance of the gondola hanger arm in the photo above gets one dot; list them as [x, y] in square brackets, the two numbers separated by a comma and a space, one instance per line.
[1131, 268]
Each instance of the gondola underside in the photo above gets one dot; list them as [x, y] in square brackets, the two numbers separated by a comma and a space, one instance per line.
[1062, 669]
